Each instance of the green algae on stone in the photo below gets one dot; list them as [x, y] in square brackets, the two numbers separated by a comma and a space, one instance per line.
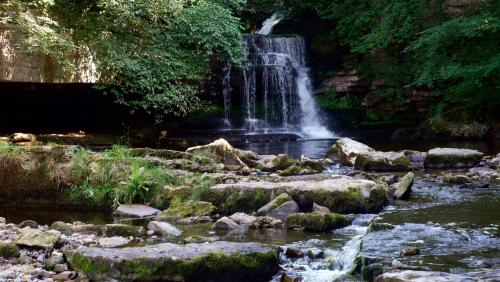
[123, 230]
[276, 202]
[218, 261]
[9, 250]
[317, 222]
[375, 226]
[189, 208]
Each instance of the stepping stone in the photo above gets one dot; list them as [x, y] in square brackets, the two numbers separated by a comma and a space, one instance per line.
[136, 210]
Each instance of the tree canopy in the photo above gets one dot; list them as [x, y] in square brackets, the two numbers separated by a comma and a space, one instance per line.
[417, 44]
[151, 54]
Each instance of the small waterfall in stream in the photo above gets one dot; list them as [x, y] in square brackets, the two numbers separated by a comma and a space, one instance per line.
[274, 87]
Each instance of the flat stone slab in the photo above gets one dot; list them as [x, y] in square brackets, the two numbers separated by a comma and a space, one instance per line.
[217, 261]
[136, 210]
[341, 194]
[424, 276]
[452, 158]
[34, 238]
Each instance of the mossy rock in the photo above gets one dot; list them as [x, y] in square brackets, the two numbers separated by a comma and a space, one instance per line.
[276, 202]
[189, 208]
[382, 161]
[317, 222]
[9, 250]
[279, 162]
[123, 230]
[217, 261]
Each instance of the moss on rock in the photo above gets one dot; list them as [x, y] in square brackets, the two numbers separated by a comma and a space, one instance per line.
[9, 250]
[189, 208]
[318, 222]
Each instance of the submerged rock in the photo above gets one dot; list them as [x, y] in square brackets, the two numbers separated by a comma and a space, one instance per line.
[382, 161]
[452, 158]
[341, 194]
[318, 222]
[410, 252]
[347, 150]
[136, 210]
[217, 261]
[220, 151]
[375, 226]
[456, 179]
[164, 229]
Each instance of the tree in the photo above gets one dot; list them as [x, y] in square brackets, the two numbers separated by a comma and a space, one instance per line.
[152, 54]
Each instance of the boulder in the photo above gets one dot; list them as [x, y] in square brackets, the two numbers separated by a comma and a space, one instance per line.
[403, 187]
[276, 202]
[243, 218]
[136, 210]
[304, 166]
[113, 242]
[279, 162]
[164, 229]
[317, 222]
[418, 276]
[220, 151]
[346, 150]
[64, 228]
[267, 222]
[250, 158]
[382, 161]
[341, 194]
[493, 161]
[284, 210]
[410, 252]
[34, 238]
[452, 158]
[188, 209]
[376, 226]
[216, 261]
[320, 209]
[225, 224]
[456, 179]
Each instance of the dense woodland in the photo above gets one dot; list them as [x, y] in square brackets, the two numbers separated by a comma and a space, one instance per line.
[158, 55]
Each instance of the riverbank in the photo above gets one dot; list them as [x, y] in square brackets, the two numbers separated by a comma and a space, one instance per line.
[314, 218]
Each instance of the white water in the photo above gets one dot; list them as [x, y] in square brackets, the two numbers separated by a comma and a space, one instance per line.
[310, 123]
[341, 261]
[268, 25]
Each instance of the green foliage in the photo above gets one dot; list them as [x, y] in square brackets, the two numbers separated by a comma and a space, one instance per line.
[416, 45]
[333, 101]
[151, 55]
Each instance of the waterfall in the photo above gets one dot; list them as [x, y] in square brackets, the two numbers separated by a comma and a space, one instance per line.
[267, 25]
[274, 87]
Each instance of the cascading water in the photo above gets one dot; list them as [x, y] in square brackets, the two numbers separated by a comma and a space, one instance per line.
[267, 25]
[274, 87]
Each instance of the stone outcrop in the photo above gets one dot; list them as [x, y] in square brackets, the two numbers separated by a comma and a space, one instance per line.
[217, 261]
[341, 194]
[20, 66]
[346, 150]
[452, 158]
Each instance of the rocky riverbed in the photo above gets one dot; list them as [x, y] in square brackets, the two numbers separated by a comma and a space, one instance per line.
[216, 213]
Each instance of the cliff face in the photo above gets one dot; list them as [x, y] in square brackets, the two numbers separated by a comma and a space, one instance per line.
[18, 65]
